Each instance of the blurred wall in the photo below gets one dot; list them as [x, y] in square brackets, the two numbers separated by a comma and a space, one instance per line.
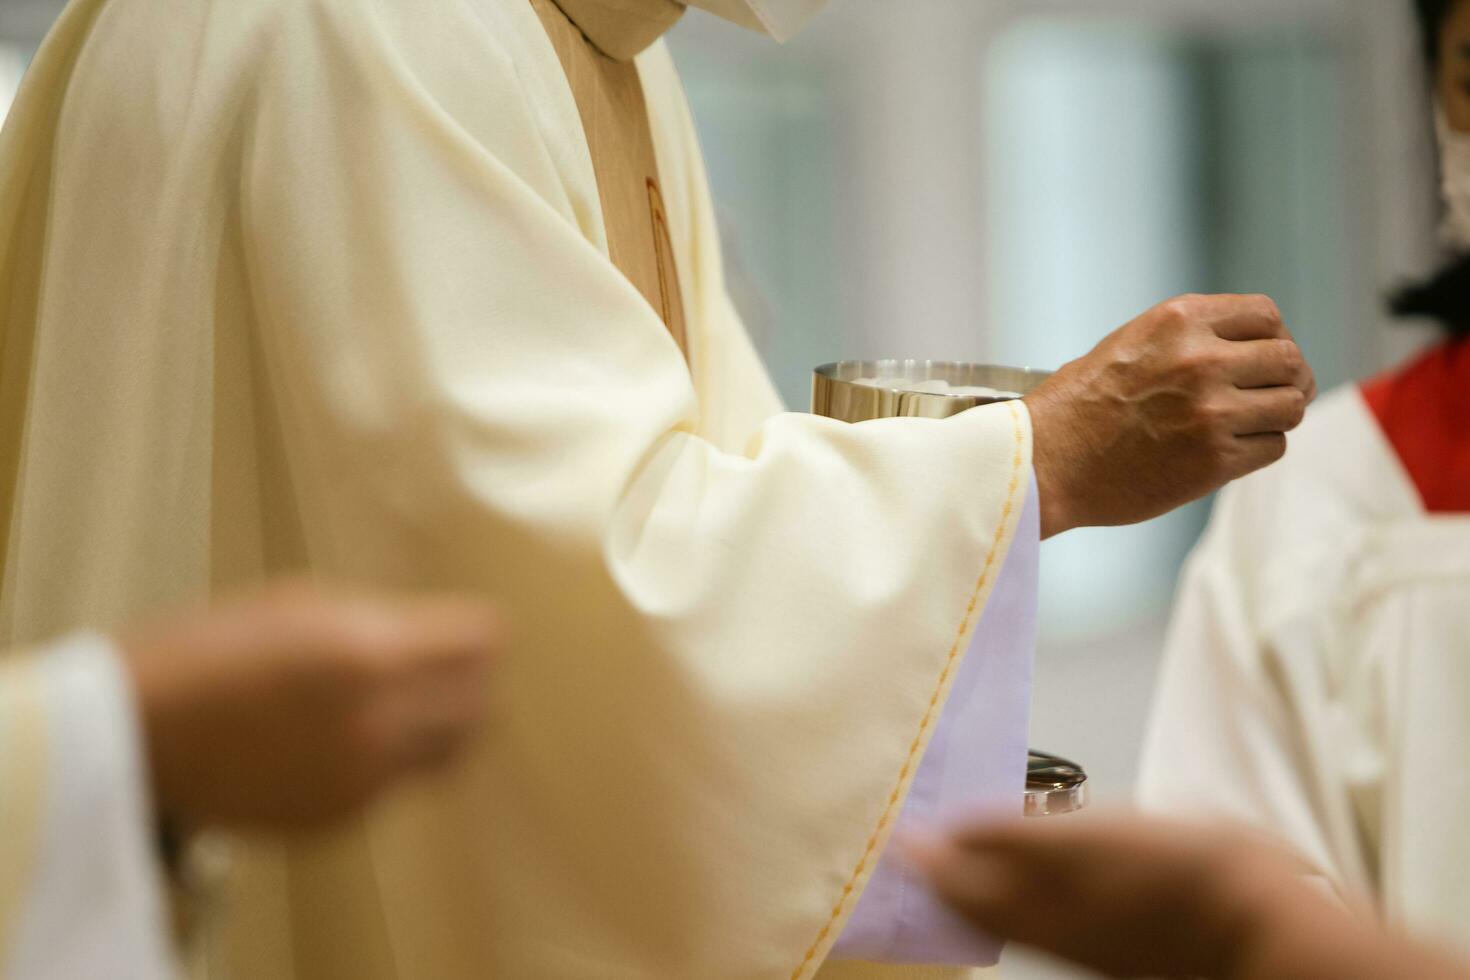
[24, 22]
[12, 67]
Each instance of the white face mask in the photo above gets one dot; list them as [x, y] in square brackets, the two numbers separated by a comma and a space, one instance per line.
[1454, 148]
[779, 18]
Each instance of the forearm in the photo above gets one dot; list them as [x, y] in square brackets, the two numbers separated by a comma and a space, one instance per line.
[1301, 934]
[1053, 428]
[1345, 951]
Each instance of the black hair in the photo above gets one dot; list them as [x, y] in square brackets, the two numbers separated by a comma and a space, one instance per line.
[1432, 15]
[1444, 296]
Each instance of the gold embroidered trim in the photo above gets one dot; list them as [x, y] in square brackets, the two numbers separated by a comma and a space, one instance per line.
[930, 715]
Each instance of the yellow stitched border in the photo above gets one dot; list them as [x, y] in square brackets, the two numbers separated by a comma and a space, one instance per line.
[933, 709]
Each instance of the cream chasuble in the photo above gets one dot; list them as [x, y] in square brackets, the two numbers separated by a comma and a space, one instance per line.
[328, 285]
[1317, 678]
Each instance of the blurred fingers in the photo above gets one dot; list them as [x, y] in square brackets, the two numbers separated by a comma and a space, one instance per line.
[442, 708]
[981, 886]
[433, 746]
[439, 634]
[430, 664]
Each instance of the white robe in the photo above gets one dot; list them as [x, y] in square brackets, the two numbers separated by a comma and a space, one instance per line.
[80, 888]
[323, 285]
[1317, 678]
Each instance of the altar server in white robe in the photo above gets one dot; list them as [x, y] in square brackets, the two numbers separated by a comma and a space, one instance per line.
[290, 709]
[429, 294]
[1317, 677]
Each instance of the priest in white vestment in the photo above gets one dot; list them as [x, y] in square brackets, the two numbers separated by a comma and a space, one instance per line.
[427, 293]
[1317, 677]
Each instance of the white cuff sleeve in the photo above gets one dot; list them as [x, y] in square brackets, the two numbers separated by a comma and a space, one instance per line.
[95, 907]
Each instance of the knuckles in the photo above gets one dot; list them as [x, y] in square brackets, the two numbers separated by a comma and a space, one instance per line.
[1292, 356]
[1289, 359]
[1214, 417]
[1181, 311]
[1267, 306]
[1298, 407]
[1195, 369]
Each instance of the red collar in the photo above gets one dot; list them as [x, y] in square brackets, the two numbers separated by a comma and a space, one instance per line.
[1424, 410]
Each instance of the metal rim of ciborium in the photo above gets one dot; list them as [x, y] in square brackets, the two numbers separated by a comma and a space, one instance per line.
[1054, 785]
[837, 393]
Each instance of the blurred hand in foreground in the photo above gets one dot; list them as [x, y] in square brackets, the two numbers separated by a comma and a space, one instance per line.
[295, 708]
[1135, 897]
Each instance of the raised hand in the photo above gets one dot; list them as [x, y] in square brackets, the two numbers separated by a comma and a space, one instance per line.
[1197, 392]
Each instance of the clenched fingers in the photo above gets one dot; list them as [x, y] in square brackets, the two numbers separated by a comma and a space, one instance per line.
[1244, 318]
[430, 634]
[981, 887]
[1259, 451]
[1266, 410]
[1269, 363]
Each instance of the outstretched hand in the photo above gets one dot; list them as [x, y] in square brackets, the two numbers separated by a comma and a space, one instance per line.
[1136, 897]
[295, 708]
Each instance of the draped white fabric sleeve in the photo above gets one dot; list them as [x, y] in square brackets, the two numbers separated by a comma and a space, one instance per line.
[90, 899]
[1223, 738]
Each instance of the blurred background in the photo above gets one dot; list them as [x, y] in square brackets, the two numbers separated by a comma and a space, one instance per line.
[1009, 180]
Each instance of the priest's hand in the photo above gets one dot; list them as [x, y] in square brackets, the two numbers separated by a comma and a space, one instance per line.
[294, 709]
[1136, 897]
[1193, 394]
